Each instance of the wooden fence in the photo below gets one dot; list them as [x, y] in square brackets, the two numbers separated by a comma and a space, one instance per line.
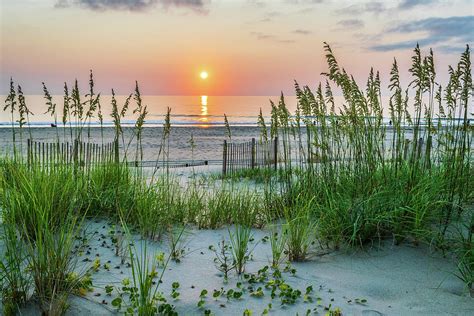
[249, 155]
[252, 154]
[78, 153]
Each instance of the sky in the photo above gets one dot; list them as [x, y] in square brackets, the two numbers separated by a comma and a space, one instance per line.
[247, 47]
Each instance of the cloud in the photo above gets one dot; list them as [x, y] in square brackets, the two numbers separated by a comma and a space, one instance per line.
[408, 4]
[351, 23]
[355, 9]
[285, 41]
[302, 32]
[457, 30]
[257, 3]
[132, 5]
[269, 16]
[304, 1]
[264, 36]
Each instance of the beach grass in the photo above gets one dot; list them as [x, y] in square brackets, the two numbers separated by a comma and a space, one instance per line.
[345, 177]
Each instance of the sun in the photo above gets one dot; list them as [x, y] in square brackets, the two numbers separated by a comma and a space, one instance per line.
[203, 75]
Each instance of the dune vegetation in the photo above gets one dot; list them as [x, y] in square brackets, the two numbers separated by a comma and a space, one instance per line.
[347, 176]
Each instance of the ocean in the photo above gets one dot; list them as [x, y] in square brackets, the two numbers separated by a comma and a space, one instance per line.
[203, 111]
[199, 117]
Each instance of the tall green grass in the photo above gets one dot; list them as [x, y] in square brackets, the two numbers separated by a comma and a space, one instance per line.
[42, 214]
[14, 281]
[368, 179]
[345, 176]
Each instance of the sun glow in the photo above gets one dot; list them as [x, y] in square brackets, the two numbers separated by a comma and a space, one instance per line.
[203, 75]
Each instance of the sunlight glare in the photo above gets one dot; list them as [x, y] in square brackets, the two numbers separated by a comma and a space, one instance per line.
[204, 100]
[203, 119]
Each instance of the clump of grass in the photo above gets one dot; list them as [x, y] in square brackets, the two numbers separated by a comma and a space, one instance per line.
[146, 212]
[278, 240]
[368, 179]
[52, 263]
[465, 252]
[299, 230]
[225, 206]
[43, 207]
[177, 242]
[193, 202]
[14, 279]
[240, 241]
[144, 295]
[109, 185]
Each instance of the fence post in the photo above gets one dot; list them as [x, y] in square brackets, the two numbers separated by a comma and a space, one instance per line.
[224, 159]
[428, 151]
[253, 153]
[230, 157]
[59, 152]
[28, 154]
[420, 148]
[42, 154]
[405, 149]
[116, 149]
[67, 153]
[75, 152]
[275, 152]
[47, 154]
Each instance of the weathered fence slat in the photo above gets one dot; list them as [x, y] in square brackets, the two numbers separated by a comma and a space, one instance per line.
[79, 153]
[249, 155]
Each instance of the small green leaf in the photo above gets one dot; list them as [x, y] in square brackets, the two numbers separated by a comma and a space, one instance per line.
[117, 302]
[109, 289]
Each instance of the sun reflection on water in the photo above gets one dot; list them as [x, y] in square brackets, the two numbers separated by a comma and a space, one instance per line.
[204, 118]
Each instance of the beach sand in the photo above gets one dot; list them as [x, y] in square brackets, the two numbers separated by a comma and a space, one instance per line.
[395, 280]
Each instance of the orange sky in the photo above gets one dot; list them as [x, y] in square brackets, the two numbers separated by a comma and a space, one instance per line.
[248, 47]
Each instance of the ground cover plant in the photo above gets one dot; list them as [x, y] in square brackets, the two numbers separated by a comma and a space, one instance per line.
[346, 177]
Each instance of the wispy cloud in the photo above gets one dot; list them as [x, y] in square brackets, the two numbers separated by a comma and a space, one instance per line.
[262, 36]
[351, 23]
[408, 4]
[302, 32]
[457, 30]
[355, 9]
[269, 16]
[132, 5]
[270, 37]
[304, 1]
[289, 41]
